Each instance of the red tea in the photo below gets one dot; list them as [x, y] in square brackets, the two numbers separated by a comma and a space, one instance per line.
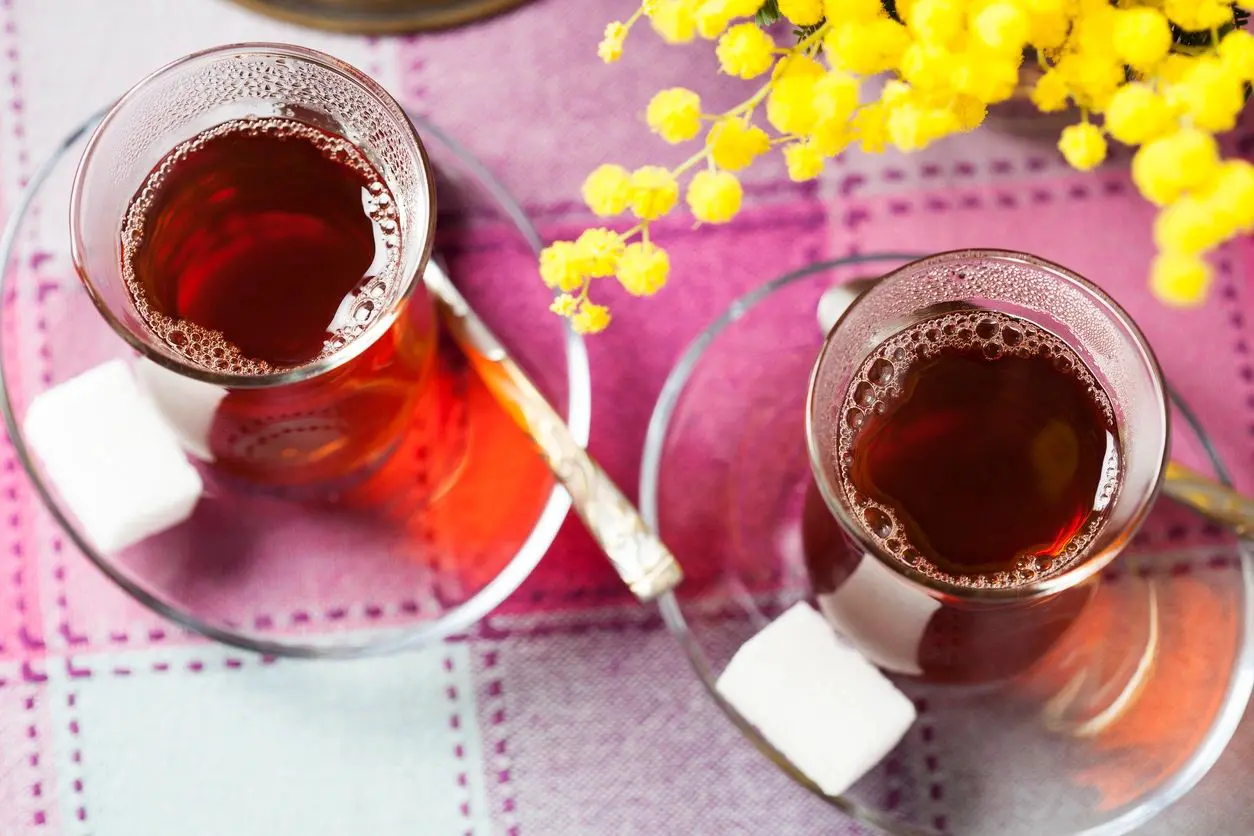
[979, 449]
[263, 245]
[975, 448]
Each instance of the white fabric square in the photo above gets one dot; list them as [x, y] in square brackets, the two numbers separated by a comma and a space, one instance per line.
[205, 741]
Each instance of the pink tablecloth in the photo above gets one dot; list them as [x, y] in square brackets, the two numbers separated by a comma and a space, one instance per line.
[576, 715]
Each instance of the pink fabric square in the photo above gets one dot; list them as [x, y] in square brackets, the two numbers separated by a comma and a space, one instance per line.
[21, 623]
[597, 749]
[710, 267]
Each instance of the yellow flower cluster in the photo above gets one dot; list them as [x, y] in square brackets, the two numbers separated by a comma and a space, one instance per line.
[948, 61]
[1119, 63]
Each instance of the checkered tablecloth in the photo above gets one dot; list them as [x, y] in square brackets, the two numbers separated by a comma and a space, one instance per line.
[574, 713]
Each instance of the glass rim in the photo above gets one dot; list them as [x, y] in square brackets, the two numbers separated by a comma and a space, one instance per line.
[280, 377]
[1085, 566]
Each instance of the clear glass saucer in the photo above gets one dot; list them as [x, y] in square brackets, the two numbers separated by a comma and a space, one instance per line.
[1116, 722]
[383, 567]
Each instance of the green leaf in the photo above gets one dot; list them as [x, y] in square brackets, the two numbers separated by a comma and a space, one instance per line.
[768, 14]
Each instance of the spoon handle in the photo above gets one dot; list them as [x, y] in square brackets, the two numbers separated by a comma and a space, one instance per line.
[1213, 500]
[637, 554]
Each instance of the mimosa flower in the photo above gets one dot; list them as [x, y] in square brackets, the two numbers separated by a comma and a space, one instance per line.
[1142, 36]
[1170, 165]
[804, 160]
[643, 269]
[735, 144]
[654, 192]
[1136, 114]
[607, 190]
[675, 114]
[597, 252]
[745, 51]
[591, 319]
[714, 196]
[611, 47]
[1083, 145]
[560, 266]
[802, 12]
[1180, 280]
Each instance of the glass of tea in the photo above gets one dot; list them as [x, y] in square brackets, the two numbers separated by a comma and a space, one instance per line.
[986, 432]
[254, 219]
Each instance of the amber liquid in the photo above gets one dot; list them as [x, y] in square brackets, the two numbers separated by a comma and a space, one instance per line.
[976, 449]
[263, 245]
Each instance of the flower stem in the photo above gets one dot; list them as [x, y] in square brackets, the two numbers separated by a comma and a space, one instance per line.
[690, 162]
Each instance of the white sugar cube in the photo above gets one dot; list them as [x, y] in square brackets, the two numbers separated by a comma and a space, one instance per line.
[112, 457]
[189, 405]
[877, 600]
[820, 703]
[832, 304]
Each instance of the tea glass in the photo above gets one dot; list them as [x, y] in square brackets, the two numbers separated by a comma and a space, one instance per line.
[380, 562]
[302, 429]
[938, 629]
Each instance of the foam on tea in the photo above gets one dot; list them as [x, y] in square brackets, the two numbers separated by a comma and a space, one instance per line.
[261, 244]
[978, 449]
